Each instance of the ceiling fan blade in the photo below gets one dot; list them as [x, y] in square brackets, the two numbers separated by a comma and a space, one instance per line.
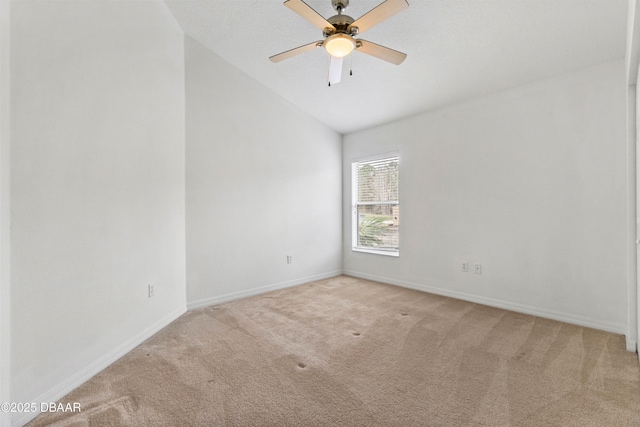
[378, 14]
[381, 52]
[304, 10]
[295, 51]
[335, 70]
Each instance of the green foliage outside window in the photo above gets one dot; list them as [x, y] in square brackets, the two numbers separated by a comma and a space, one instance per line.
[370, 231]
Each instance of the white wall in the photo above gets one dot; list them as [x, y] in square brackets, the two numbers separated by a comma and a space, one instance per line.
[5, 225]
[633, 137]
[263, 182]
[632, 247]
[98, 177]
[633, 118]
[531, 183]
[632, 60]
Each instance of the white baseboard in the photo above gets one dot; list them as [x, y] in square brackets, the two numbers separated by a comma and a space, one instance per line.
[219, 299]
[82, 376]
[506, 305]
[632, 346]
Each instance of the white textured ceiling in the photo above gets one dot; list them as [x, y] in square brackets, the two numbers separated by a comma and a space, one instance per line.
[457, 50]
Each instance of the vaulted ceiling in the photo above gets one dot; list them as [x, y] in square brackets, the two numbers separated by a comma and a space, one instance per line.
[457, 50]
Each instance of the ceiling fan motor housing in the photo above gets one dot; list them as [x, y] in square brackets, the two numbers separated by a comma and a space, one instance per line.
[341, 24]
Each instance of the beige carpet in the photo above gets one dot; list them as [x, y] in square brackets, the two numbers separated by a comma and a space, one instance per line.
[349, 352]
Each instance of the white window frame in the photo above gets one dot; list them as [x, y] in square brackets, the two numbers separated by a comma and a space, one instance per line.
[355, 203]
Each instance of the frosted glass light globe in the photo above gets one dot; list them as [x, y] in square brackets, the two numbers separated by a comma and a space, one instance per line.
[339, 45]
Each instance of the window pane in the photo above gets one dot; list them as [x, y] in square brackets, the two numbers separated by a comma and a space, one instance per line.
[378, 226]
[378, 180]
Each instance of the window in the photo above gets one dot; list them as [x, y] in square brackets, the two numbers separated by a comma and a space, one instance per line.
[376, 206]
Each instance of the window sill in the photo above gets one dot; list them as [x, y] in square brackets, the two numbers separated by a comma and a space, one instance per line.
[376, 252]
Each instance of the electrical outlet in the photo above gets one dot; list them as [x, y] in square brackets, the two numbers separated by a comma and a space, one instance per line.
[151, 291]
[465, 267]
[477, 268]
[289, 259]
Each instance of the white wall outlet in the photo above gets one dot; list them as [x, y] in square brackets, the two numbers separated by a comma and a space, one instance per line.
[465, 267]
[289, 259]
[477, 268]
[151, 291]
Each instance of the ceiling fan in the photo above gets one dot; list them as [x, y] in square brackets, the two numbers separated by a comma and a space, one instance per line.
[339, 33]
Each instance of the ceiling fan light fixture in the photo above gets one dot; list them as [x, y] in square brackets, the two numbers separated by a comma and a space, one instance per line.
[339, 45]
